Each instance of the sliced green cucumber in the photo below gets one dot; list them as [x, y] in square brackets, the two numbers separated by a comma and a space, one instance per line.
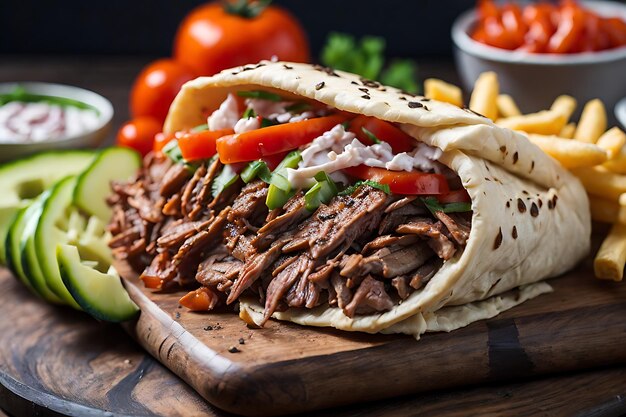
[25, 179]
[52, 229]
[100, 294]
[94, 184]
[14, 260]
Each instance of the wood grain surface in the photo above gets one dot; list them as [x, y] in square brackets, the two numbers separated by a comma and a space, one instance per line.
[54, 361]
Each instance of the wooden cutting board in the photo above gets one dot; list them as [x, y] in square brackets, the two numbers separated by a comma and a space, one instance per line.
[286, 368]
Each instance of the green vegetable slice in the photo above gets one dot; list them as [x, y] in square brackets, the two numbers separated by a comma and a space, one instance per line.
[433, 205]
[256, 169]
[225, 179]
[373, 184]
[280, 189]
[321, 193]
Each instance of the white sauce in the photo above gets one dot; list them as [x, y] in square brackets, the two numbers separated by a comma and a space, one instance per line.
[39, 122]
[246, 125]
[226, 116]
[338, 149]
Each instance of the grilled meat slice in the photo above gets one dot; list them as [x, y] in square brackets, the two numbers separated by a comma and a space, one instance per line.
[370, 297]
[388, 262]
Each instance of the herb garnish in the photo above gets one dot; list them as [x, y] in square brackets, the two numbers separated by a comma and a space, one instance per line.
[260, 94]
[383, 187]
[372, 136]
[433, 205]
[249, 113]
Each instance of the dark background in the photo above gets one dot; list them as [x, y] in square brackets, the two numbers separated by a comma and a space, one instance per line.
[413, 28]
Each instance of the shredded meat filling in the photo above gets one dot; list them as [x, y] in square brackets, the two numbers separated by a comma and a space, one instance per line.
[363, 253]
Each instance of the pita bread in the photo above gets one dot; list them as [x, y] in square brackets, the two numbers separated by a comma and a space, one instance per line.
[530, 220]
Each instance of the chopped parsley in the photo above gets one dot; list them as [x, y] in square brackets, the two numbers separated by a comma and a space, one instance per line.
[260, 94]
[373, 184]
[433, 205]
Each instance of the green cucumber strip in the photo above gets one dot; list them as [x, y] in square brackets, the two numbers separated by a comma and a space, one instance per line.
[100, 294]
[279, 176]
[256, 169]
[321, 193]
[25, 179]
[225, 179]
[276, 198]
[94, 184]
[260, 94]
[173, 151]
[13, 250]
[49, 234]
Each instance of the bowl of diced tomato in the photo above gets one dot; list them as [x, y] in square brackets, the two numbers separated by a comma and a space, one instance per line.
[541, 50]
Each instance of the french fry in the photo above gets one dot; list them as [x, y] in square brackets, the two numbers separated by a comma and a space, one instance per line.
[601, 182]
[592, 123]
[564, 105]
[545, 122]
[440, 90]
[621, 215]
[603, 210]
[569, 153]
[485, 95]
[610, 260]
[506, 106]
[613, 141]
[568, 131]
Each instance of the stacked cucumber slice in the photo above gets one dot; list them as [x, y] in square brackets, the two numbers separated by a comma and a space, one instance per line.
[52, 228]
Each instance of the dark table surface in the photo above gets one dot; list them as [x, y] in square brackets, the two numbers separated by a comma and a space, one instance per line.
[553, 395]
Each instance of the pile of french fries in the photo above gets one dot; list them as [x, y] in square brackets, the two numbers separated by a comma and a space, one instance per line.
[597, 156]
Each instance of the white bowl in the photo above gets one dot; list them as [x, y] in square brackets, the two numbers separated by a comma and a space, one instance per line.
[91, 138]
[620, 112]
[535, 80]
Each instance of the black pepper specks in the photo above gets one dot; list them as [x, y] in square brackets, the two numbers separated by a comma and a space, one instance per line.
[515, 158]
[521, 206]
[514, 232]
[540, 203]
[242, 341]
[366, 97]
[319, 86]
[365, 90]
[403, 98]
[498, 241]
[534, 210]
[508, 204]
[415, 104]
[354, 82]
[287, 67]
[233, 349]
[532, 166]
[552, 202]
[503, 149]
[369, 83]
[525, 192]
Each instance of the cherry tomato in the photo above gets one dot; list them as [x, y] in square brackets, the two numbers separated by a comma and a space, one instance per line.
[211, 39]
[256, 144]
[540, 28]
[384, 131]
[155, 88]
[403, 182]
[513, 24]
[139, 134]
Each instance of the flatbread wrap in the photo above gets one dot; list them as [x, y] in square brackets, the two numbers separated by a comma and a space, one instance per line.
[398, 214]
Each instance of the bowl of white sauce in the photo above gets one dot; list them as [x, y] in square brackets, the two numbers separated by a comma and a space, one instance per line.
[37, 116]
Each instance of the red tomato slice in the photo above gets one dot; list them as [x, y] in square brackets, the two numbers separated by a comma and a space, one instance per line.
[570, 27]
[402, 182]
[256, 144]
[456, 196]
[200, 145]
[385, 131]
[162, 139]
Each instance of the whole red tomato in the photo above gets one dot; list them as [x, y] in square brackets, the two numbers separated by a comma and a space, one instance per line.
[156, 86]
[214, 37]
[139, 133]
